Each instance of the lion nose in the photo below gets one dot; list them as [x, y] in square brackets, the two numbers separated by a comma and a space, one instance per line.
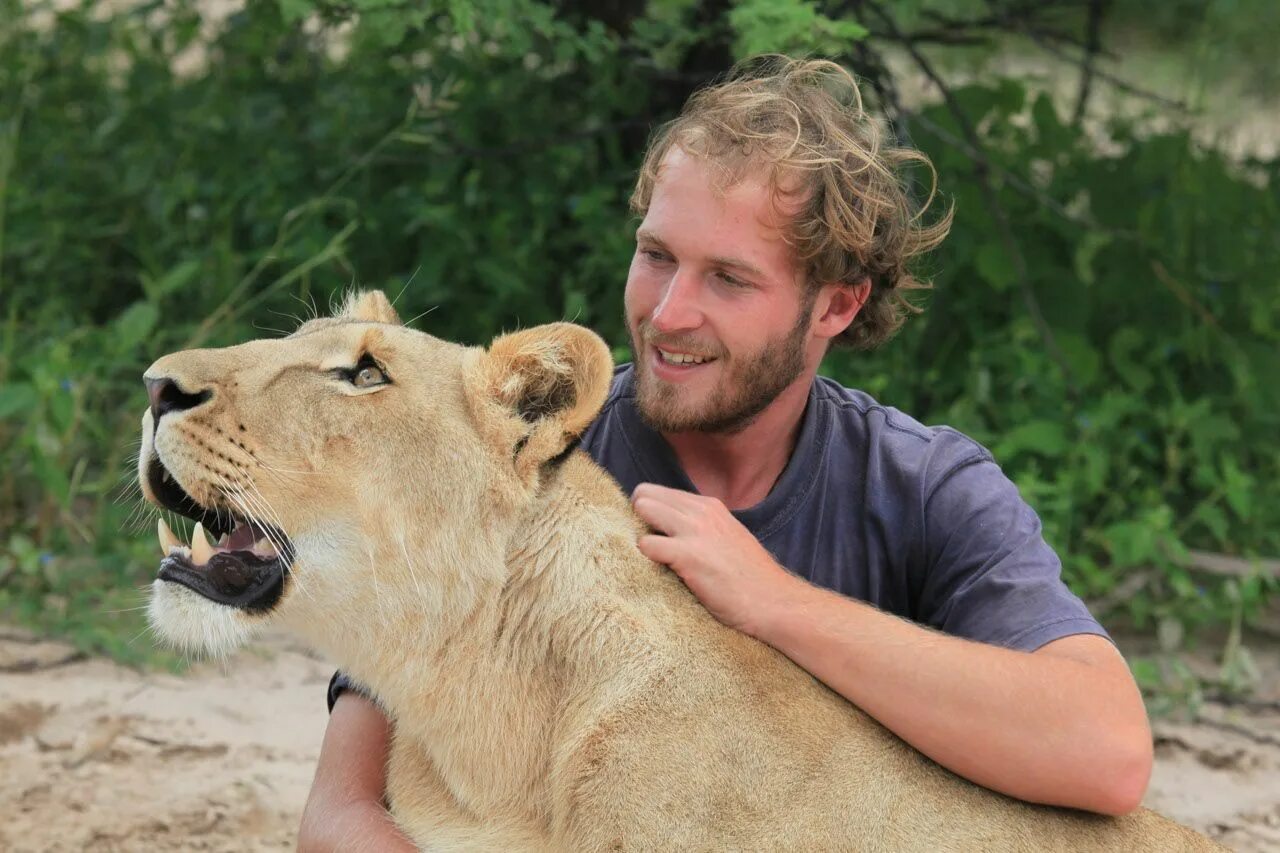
[166, 396]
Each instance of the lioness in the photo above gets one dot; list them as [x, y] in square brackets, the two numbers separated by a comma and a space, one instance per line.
[416, 510]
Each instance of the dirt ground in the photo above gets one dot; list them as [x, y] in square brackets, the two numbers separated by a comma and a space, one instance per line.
[94, 756]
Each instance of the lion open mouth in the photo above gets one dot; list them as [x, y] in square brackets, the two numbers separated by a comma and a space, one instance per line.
[245, 565]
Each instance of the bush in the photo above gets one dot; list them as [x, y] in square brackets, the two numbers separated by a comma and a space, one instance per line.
[479, 169]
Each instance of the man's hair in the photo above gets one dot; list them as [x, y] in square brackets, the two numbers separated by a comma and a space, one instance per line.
[803, 122]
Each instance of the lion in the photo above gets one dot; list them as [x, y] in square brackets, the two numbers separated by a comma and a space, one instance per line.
[416, 510]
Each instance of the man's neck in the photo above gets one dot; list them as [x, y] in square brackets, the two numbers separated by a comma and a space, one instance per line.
[740, 468]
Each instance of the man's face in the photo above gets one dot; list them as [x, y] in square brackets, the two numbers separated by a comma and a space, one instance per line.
[718, 317]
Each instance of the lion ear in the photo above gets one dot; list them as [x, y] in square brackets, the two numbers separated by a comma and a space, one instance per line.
[368, 306]
[534, 392]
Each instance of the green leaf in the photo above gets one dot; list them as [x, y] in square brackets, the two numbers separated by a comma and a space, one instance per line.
[18, 398]
[177, 277]
[295, 10]
[1238, 488]
[1049, 127]
[790, 26]
[1083, 359]
[1085, 251]
[995, 265]
[1131, 543]
[1122, 349]
[1045, 437]
[133, 326]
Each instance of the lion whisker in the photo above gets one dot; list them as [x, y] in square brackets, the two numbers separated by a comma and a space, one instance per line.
[404, 550]
[406, 286]
[125, 610]
[247, 506]
[377, 591]
[413, 320]
[266, 511]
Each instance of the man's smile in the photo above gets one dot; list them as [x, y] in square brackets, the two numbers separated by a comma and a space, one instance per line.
[677, 366]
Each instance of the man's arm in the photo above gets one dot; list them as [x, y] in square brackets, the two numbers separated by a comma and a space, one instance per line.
[1064, 725]
[344, 810]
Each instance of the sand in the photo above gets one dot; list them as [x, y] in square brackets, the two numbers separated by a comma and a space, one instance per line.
[96, 756]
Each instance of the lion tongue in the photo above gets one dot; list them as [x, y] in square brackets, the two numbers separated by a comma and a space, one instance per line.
[249, 537]
[242, 538]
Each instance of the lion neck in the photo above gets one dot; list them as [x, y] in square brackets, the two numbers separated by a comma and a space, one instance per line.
[506, 668]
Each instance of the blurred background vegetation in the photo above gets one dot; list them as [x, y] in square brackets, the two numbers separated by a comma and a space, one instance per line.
[178, 174]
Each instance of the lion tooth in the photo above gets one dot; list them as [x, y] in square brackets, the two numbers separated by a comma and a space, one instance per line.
[201, 550]
[167, 540]
[265, 548]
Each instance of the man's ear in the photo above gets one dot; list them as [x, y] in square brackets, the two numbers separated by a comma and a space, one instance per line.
[533, 393]
[368, 306]
[837, 305]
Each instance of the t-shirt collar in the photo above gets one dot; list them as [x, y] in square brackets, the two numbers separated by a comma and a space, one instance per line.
[658, 463]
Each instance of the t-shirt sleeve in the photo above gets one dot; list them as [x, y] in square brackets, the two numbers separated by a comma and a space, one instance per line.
[990, 576]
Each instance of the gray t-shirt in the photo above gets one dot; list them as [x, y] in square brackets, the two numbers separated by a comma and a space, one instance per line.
[918, 521]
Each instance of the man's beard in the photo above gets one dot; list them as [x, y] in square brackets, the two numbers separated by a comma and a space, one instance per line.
[748, 385]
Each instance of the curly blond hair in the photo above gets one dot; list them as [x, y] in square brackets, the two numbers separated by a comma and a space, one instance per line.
[851, 215]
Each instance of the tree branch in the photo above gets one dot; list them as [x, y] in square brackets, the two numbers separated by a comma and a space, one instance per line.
[1112, 80]
[1092, 44]
[982, 169]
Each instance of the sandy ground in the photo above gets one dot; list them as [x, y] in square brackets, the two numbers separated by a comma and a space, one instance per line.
[94, 756]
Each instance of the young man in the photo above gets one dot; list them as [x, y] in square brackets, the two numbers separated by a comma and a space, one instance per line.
[893, 561]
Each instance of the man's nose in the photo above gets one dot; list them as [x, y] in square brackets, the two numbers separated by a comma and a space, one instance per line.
[166, 396]
[679, 309]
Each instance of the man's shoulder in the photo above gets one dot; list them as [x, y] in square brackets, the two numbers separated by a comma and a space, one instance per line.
[894, 439]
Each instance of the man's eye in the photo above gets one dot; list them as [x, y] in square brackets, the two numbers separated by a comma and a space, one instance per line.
[367, 377]
[730, 280]
[654, 255]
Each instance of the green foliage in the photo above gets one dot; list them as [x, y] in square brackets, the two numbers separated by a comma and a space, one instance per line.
[475, 159]
[790, 26]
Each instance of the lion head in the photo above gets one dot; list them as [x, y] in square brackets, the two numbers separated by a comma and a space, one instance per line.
[354, 467]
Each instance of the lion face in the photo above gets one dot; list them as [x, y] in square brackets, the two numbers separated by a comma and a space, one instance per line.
[355, 459]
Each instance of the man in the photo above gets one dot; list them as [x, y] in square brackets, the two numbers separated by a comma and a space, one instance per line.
[894, 562]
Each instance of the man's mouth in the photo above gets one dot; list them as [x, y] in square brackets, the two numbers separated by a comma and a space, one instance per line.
[676, 362]
[681, 358]
[244, 566]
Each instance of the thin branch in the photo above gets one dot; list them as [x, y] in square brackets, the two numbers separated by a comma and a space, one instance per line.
[1227, 566]
[1184, 296]
[1092, 44]
[1121, 593]
[1115, 82]
[882, 82]
[1016, 181]
[1240, 731]
[944, 37]
[1026, 18]
[1023, 20]
[982, 169]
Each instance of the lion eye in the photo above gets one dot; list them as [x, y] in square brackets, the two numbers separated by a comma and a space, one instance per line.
[368, 376]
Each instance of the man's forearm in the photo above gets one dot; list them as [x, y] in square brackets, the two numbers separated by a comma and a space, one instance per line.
[344, 810]
[1040, 727]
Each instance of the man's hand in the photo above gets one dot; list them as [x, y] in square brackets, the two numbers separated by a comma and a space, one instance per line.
[718, 559]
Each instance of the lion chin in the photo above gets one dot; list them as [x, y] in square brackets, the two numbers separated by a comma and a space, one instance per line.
[195, 625]
[415, 510]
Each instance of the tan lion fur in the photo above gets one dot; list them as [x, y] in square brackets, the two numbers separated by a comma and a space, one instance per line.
[551, 688]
